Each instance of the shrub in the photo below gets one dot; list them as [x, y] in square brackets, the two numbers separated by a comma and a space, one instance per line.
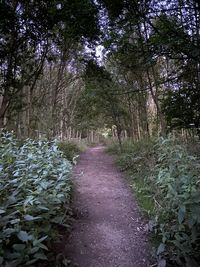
[137, 159]
[35, 193]
[179, 215]
[70, 150]
[166, 181]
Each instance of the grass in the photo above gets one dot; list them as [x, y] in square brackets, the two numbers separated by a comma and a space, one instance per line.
[152, 169]
[71, 149]
[136, 161]
[145, 202]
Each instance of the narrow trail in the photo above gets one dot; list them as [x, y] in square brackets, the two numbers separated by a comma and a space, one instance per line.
[109, 231]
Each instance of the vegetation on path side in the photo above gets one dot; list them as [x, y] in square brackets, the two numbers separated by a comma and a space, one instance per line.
[165, 178]
[35, 191]
[71, 150]
[89, 70]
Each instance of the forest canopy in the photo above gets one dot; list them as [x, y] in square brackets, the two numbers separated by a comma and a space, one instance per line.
[71, 67]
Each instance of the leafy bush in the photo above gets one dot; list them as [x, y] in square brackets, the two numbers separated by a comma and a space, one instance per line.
[35, 192]
[137, 159]
[166, 181]
[70, 150]
[140, 152]
[179, 215]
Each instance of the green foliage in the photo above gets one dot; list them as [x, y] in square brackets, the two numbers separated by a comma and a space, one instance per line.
[181, 107]
[114, 8]
[178, 183]
[180, 103]
[50, 27]
[165, 179]
[35, 193]
[70, 150]
[136, 159]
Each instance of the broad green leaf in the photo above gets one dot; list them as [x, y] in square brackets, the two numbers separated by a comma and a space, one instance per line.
[23, 236]
[181, 214]
[43, 208]
[31, 218]
[9, 231]
[15, 221]
[34, 250]
[40, 256]
[37, 241]
[2, 211]
[29, 263]
[40, 245]
[161, 249]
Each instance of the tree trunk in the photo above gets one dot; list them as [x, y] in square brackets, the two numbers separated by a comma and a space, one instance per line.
[3, 109]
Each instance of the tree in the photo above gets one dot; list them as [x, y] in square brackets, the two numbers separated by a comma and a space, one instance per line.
[98, 101]
[30, 33]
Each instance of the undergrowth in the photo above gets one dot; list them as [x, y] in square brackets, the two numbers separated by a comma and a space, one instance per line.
[165, 179]
[35, 190]
[71, 149]
[137, 159]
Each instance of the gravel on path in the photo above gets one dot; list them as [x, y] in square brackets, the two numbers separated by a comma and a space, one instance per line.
[109, 230]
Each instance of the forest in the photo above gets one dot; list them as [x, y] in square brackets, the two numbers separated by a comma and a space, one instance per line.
[79, 73]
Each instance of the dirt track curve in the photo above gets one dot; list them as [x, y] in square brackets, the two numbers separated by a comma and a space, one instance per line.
[109, 231]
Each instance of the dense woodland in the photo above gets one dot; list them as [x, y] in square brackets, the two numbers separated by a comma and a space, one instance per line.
[72, 67]
[103, 70]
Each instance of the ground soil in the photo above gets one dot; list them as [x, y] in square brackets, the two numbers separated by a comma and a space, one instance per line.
[108, 230]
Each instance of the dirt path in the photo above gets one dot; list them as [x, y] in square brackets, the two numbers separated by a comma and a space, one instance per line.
[109, 231]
